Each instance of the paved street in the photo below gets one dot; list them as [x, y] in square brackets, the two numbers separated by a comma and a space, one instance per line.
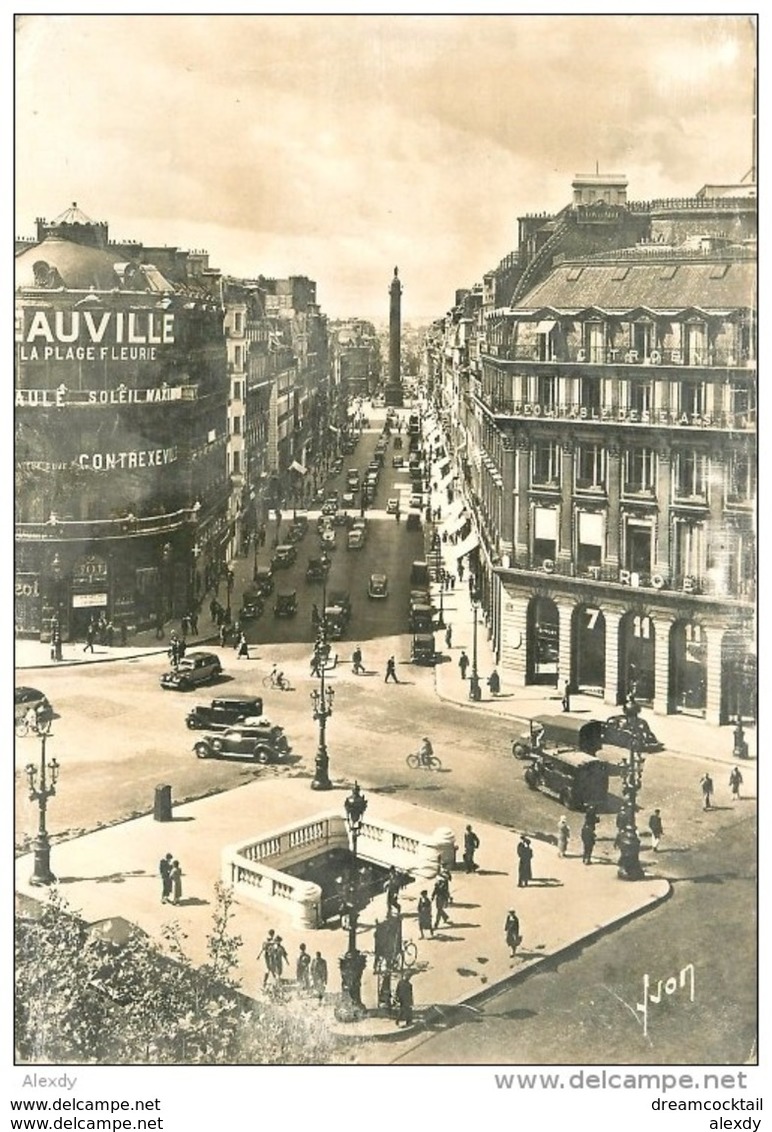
[118, 734]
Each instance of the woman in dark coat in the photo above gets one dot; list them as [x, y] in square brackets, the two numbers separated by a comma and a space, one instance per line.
[524, 858]
[425, 914]
[404, 999]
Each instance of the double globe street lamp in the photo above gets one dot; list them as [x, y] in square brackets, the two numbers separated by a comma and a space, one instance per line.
[475, 692]
[631, 770]
[352, 964]
[42, 786]
[321, 701]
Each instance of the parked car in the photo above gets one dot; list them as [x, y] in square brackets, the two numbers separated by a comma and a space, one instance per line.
[283, 556]
[576, 779]
[193, 669]
[25, 698]
[259, 740]
[224, 712]
[263, 581]
[618, 732]
[546, 731]
[392, 505]
[286, 604]
[416, 499]
[422, 650]
[378, 586]
[356, 539]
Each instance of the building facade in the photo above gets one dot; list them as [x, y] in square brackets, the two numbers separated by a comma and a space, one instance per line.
[120, 394]
[605, 427]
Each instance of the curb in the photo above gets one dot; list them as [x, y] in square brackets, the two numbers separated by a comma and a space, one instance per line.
[148, 651]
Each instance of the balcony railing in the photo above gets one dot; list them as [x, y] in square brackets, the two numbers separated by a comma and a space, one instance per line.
[76, 530]
[616, 414]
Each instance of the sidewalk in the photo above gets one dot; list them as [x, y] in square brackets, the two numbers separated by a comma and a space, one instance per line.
[112, 873]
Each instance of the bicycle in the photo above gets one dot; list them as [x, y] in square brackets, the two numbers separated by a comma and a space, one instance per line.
[26, 726]
[278, 680]
[419, 762]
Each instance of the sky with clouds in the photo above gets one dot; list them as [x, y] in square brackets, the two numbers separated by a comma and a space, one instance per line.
[340, 146]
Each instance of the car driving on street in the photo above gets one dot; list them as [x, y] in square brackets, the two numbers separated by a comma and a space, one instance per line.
[378, 586]
[224, 712]
[193, 669]
[259, 740]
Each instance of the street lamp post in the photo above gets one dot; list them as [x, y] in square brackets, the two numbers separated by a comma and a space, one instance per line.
[352, 964]
[474, 678]
[628, 842]
[42, 786]
[321, 700]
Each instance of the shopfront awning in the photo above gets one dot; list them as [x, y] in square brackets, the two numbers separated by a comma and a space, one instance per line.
[451, 513]
[470, 543]
[457, 523]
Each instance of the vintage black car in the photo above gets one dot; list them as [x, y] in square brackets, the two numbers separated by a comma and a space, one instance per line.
[263, 580]
[286, 604]
[193, 669]
[619, 732]
[252, 606]
[224, 712]
[259, 740]
[422, 649]
[576, 779]
[283, 556]
[317, 569]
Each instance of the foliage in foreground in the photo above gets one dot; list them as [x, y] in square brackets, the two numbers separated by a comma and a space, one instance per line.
[82, 998]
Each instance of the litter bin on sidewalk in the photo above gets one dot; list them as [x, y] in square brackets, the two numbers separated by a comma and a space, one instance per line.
[162, 806]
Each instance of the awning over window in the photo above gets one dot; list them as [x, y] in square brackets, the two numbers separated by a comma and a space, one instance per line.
[545, 523]
[546, 326]
[469, 543]
[457, 523]
[590, 528]
[296, 467]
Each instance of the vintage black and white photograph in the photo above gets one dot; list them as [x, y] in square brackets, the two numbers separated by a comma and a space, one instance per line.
[385, 529]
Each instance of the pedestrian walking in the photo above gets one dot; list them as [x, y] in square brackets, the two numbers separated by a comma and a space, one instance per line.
[403, 994]
[449, 637]
[223, 635]
[460, 568]
[356, 661]
[471, 845]
[279, 957]
[425, 913]
[452, 581]
[266, 954]
[463, 664]
[706, 785]
[564, 834]
[655, 827]
[391, 671]
[318, 974]
[524, 861]
[316, 661]
[512, 932]
[441, 898]
[165, 871]
[90, 634]
[193, 618]
[566, 700]
[588, 841]
[391, 888]
[302, 972]
[494, 683]
[735, 782]
[175, 876]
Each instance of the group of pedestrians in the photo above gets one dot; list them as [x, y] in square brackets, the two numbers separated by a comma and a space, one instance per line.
[311, 972]
[171, 879]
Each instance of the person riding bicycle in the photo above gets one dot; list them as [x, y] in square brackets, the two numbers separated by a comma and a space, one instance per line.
[425, 752]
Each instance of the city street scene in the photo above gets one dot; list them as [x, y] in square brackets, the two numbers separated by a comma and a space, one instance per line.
[385, 599]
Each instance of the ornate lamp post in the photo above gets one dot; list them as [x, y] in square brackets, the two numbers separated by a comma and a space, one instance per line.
[321, 700]
[352, 964]
[475, 692]
[42, 786]
[628, 842]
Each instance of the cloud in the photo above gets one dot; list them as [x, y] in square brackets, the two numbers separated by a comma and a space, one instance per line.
[341, 145]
